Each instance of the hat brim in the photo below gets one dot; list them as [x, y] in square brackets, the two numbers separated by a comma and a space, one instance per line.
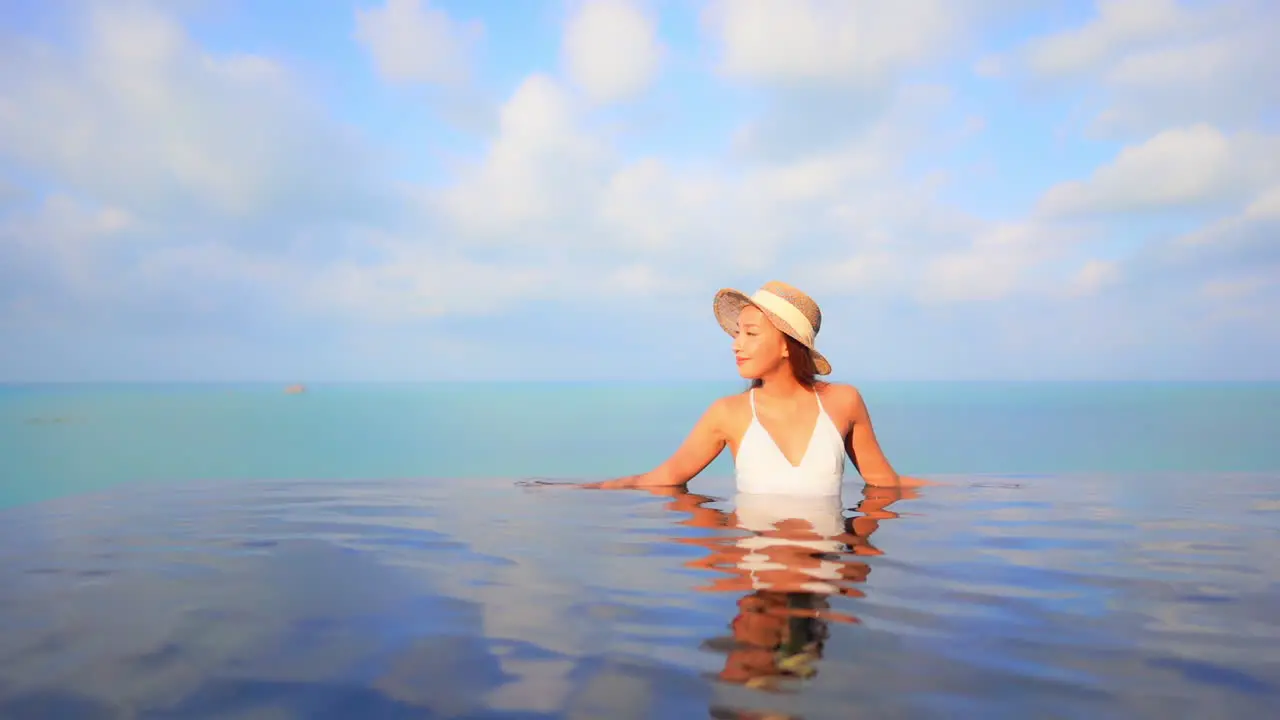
[728, 305]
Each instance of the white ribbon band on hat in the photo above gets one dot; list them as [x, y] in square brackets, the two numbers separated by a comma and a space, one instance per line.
[788, 312]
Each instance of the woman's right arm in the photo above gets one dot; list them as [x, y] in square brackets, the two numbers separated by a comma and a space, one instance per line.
[702, 445]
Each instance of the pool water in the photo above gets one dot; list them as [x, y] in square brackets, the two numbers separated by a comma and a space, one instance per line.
[1069, 595]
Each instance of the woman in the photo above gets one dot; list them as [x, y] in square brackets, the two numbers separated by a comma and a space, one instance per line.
[790, 432]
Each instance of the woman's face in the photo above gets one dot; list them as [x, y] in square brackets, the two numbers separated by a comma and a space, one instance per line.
[759, 347]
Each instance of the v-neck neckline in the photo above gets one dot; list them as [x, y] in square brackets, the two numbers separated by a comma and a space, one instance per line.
[755, 418]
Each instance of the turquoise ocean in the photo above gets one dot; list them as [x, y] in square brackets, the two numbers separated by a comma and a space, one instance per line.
[370, 550]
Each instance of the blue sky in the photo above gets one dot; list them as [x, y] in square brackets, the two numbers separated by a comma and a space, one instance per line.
[420, 190]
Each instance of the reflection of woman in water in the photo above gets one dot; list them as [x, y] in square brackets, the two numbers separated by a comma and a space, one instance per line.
[789, 433]
[793, 560]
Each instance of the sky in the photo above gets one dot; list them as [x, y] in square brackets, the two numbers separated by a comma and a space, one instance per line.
[418, 190]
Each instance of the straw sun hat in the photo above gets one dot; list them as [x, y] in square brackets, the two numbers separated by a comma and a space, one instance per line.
[789, 309]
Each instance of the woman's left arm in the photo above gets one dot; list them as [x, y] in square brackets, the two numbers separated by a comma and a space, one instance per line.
[864, 448]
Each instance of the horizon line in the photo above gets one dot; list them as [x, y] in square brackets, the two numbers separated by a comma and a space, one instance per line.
[630, 381]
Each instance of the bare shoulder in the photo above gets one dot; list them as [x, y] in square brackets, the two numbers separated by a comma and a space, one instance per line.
[720, 411]
[840, 393]
[728, 407]
[844, 398]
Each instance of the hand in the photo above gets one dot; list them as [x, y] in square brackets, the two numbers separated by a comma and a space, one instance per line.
[905, 481]
[615, 484]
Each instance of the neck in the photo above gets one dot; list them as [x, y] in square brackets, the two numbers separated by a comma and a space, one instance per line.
[780, 383]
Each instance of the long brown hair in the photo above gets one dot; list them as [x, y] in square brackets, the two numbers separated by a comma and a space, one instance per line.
[801, 361]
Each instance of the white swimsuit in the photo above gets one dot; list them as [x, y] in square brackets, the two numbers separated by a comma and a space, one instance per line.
[760, 466]
[772, 490]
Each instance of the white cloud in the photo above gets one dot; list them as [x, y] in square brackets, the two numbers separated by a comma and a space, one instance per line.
[845, 221]
[1265, 206]
[788, 41]
[1253, 229]
[412, 281]
[1222, 276]
[187, 185]
[541, 168]
[1119, 25]
[1238, 288]
[1093, 276]
[412, 42]
[1248, 238]
[145, 120]
[558, 213]
[409, 281]
[1152, 64]
[1000, 262]
[546, 184]
[1176, 168]
[61, 243]
[867, 272]
[73, 266]
[653, 206]
[611, 49]
[173, 161]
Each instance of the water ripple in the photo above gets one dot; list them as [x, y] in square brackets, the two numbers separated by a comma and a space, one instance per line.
[413, 598]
